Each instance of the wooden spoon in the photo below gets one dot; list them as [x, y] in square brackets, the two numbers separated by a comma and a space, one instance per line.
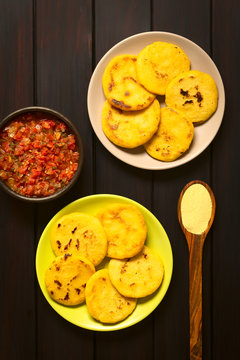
[195, 246]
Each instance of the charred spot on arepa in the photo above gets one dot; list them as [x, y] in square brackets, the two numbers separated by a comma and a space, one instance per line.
[66, 296]
[184, 92]
[73, 231]
[59, 243]
[188, 102]
[199, 97]
[121, 104]
[58, 283]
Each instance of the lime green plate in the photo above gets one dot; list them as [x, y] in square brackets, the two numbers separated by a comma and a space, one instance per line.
[157, 239]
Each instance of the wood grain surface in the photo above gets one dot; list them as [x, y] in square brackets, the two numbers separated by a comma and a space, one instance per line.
[48, 51]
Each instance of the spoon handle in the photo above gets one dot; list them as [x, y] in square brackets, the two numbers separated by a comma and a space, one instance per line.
[195, 244]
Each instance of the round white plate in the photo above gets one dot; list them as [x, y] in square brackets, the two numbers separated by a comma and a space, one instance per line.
[204, 133]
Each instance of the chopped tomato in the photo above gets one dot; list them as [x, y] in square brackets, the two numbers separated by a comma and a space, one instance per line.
[19, 150]
[22, 169]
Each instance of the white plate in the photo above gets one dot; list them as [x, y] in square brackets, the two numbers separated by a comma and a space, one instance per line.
[204, 133]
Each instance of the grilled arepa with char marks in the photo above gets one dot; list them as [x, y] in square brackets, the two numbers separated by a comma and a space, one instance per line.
[173, 137]
[125, 228]
[120, 85]
[158, 63]
[104, 303]
[138, 276]
[195, 94]
[79, 234]
[130, 129]
[66, 279]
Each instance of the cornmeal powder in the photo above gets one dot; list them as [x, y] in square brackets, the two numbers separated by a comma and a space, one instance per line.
[196, 208]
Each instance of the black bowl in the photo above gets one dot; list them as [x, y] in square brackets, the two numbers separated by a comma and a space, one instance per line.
[79, 143]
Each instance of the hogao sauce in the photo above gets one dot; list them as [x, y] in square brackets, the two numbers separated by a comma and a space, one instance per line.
[38, 154]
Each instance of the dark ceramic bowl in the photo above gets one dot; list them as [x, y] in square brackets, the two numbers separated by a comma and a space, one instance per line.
[79, 144]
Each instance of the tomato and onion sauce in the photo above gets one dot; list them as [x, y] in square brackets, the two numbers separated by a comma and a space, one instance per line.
[38, 154]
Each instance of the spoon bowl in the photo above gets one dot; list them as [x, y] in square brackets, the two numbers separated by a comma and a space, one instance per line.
[195, 247]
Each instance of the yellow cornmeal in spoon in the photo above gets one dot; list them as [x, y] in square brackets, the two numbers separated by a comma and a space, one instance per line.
[196, 208]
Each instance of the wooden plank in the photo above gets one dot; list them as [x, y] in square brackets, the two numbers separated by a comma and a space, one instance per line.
[172, 317]
[186, 18]
[226, 177]
[63, 54]
[114, 21]
[17, 334]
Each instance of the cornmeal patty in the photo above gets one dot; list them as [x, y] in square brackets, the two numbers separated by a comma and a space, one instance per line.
[173, 137]
[66, 279]
[159, 63]
[195, 94]
[104, 303]
[130, 129]
[79, 234]
[138, 276]
[125, 228]
[120, 85]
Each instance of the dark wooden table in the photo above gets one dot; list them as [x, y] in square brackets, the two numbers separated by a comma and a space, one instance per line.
[48, 51]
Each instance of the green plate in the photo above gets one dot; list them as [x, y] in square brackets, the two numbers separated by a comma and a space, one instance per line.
[157, 239]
